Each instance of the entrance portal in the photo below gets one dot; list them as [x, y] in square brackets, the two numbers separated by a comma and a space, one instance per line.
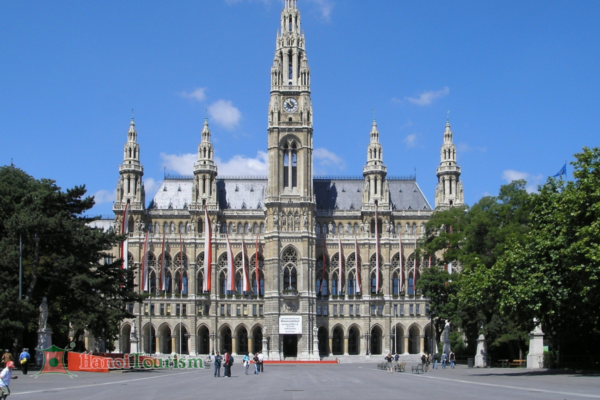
[290, 345]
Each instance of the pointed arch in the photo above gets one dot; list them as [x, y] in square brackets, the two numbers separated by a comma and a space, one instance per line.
[322, 277]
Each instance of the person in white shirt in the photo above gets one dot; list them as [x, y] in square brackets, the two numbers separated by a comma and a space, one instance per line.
[5, 377]
[260, 362]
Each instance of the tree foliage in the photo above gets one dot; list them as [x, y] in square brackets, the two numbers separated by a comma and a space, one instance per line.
[553, 275]
[68, 265]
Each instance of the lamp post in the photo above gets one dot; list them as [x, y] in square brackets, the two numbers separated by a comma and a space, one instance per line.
[212, 338]
[21, 267]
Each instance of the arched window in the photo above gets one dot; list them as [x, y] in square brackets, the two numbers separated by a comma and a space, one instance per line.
[200, 274]
[172, 229]
[165, 228]
[262, 227]
[230, 229]
[317, 229]
[167, 268]
[414, 228]
[151, 273]
[290, 164]
[374, 288]
[340, 229]
[255, 228]
[336, 289]
[290, 259]
[322, 279]
[181, 227]
[351, 267]
[246, 228]
[222, 266]
[238, 265]
[397, 284]
[239, 228]
[260, 285]
[410, 268]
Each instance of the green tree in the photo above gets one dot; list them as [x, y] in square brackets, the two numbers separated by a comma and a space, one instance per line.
[553, 275]
[474, 238]
[70, 264]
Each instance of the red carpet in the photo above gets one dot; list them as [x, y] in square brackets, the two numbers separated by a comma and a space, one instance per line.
[301, 362]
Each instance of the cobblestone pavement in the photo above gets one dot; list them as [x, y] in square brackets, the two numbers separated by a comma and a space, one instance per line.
[338, 381]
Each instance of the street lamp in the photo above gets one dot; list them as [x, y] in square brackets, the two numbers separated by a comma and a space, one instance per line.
[212, 337]
[368, 339]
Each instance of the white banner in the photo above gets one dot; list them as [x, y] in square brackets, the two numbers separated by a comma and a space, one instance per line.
[290, 325]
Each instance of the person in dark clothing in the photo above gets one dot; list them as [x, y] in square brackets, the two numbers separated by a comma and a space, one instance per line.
[24, 361]
[218, 360]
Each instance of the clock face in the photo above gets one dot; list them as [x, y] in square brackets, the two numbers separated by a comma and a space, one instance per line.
[290, 104]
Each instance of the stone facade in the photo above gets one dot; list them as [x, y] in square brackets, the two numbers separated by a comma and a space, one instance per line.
[297, 224]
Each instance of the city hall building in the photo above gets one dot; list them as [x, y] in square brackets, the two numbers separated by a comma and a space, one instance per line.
[288, 233]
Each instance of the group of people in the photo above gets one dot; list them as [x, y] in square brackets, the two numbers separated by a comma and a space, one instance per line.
[8, 363]
[427, 359]
[226, 361]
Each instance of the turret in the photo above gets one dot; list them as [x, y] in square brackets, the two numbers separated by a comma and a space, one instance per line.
[449, 190]
[204, 191]
[376, 188]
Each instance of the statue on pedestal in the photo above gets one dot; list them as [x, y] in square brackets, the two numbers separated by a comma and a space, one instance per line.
[43, 315]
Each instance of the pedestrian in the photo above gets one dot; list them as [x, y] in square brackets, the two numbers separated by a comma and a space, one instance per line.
[6, 357]
[396, 357]
[444, 360]
[246, 362]
[226, 365]
[260, 362]
[452, 359]
[424, 362]
[24, 361]
[255, 359]
[389, 360]
[5, 377]
[435, 360]
[428, 361]
[218, 360]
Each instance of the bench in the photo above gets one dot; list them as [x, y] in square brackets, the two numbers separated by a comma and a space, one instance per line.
[518, 363]
[417, 369]
[382, 365]
[503, 363]
[400, 367]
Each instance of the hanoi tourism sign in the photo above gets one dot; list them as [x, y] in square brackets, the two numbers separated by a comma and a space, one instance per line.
[290, 325]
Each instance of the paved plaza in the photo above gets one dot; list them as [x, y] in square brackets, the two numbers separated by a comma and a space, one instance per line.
[337, 381]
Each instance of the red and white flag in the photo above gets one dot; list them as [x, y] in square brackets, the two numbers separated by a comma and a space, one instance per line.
[324, 266]
[341, 265]
[145, 264]
[180, 264]
[124, 231]
[376, 251]
[357, 266]
[207, 252]
[245, 285]
[415, 268]
[230, 283]
[401, 261]
[256, 267]
[162, 282]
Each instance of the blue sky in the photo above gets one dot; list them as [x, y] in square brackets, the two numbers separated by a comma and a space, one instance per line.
[520, 79]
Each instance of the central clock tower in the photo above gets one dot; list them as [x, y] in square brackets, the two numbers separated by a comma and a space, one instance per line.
[290, 114]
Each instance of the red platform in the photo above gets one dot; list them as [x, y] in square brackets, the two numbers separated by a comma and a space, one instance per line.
[300, 362]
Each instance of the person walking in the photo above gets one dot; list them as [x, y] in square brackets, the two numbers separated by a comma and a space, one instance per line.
[246, 362]
[424, 362]
[24, 361]
[6, 357]
[226, 365]
[452, 359]
[218, 360]
[396, 357]
[260, 362]
[255, 359]
[5, 377]
[435, 360]
[444, 360]
[389, 360]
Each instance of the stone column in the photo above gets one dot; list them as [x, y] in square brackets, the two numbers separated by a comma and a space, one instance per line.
[157, 344]
[286, 67]
[422, 344]
[250, 342]
[330, 346]
[265, 350]
[405, 345]
[44, 341]
[346, 346]
[535, 358]
[174, 345]
[480, 355]
[233, 345]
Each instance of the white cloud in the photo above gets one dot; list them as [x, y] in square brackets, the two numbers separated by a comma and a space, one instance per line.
[464, 147]
[411, 140]
[533, 181]
[428, 97]
[225, 114]
[326, 162]
[198, 94]
[182, 164]
[151, 187]
[325, 8]
[239, 165]
[105, 196]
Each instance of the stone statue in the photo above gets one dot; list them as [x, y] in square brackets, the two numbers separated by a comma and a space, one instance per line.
[283, 221]
[316, 332]
[264, 331]
[297, 222]
[133, 334]
[447, 330]
[192, 227]
[330, 228]
[275, 221]
[43, 314]
[348, 228]
[305, 219]
[218, 227]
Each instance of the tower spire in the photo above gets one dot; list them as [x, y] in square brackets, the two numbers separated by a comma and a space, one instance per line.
[449, 190]
[130, 187]
[376, 187]
[204, 191]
